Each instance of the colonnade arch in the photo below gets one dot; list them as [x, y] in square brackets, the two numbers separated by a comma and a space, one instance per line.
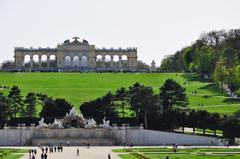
[75, 61]
[73, 54]
[112, 61]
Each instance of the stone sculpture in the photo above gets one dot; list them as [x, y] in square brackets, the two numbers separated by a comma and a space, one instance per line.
[106, 123]
[91, 123]
[57, 124]
[41, 124]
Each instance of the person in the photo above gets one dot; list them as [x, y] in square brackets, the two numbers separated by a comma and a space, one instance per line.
[33, 157]
[45, 156]
[167, 157]
[109, 156]
[35, 152]
[55, 148]
[61, 148]
[42, 156]
[46, 149]
[30, 153]
[68, 143]
[88, 146]
[77, 152]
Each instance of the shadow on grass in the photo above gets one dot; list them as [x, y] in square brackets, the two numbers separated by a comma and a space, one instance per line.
[213, 88]
[194, 77]
[231, 100]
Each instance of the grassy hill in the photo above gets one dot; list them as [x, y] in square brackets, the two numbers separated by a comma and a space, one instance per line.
[80, 87]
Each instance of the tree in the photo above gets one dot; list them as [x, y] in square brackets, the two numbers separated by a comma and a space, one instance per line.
[187, 56]
[55, 108]
[8, 64]
[16, 102]
[204, 60]
[167, 64]
[214, 122]
[220, 73]
[41, 97]
[3, 107]
[99, 108]
[142, 101]
[122, 95]
[173, 96]
[30, 102]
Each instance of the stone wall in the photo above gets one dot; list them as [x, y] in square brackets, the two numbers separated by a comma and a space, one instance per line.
[116, 136]
[20, 136]
[140, 136]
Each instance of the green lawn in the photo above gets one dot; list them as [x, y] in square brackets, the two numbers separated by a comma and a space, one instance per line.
[194, 153]
[7, 153]
[165, 150]
[81, 87]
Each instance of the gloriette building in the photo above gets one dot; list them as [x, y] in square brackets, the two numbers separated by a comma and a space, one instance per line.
[75, 56]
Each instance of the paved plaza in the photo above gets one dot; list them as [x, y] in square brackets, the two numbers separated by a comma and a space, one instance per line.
[71, 153]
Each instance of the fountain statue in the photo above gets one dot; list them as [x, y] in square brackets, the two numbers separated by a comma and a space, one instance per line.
[57, 124]
[41, 124]
[91, 123]
[74, 120]
[106, 123]
[73, 112]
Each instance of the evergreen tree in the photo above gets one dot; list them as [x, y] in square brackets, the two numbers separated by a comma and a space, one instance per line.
[30, 102]
[16, 101]
[122, 96]
[173, 96]
[3, 107]
[142, 101]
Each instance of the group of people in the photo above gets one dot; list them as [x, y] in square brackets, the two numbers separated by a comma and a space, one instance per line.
[32, 153]
[50, 149]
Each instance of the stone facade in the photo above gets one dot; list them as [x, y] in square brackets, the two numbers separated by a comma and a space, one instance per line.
[26, 136]
[76, 55]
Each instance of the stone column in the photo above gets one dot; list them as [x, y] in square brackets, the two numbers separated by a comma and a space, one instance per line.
[129, 62]
[48, 61]
[18, 59]
[103, 61]
[31, 61]
[120, 62]
[71, 62]
[39, 61]
[111, 62]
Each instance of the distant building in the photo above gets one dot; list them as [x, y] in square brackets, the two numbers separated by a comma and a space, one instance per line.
[75, 56]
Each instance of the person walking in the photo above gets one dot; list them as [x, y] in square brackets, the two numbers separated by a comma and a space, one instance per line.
[109, 156]
[46, 149]
[78, 152]
[42, 156]
[30, 153]
[45, 156]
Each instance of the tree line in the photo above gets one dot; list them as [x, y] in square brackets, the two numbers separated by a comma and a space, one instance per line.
[214, 55]
[14, 105]
[167, 109]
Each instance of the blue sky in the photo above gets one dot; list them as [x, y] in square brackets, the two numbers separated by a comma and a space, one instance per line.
[155, 27]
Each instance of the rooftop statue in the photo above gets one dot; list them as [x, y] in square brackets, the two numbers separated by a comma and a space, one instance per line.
[75, 39]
